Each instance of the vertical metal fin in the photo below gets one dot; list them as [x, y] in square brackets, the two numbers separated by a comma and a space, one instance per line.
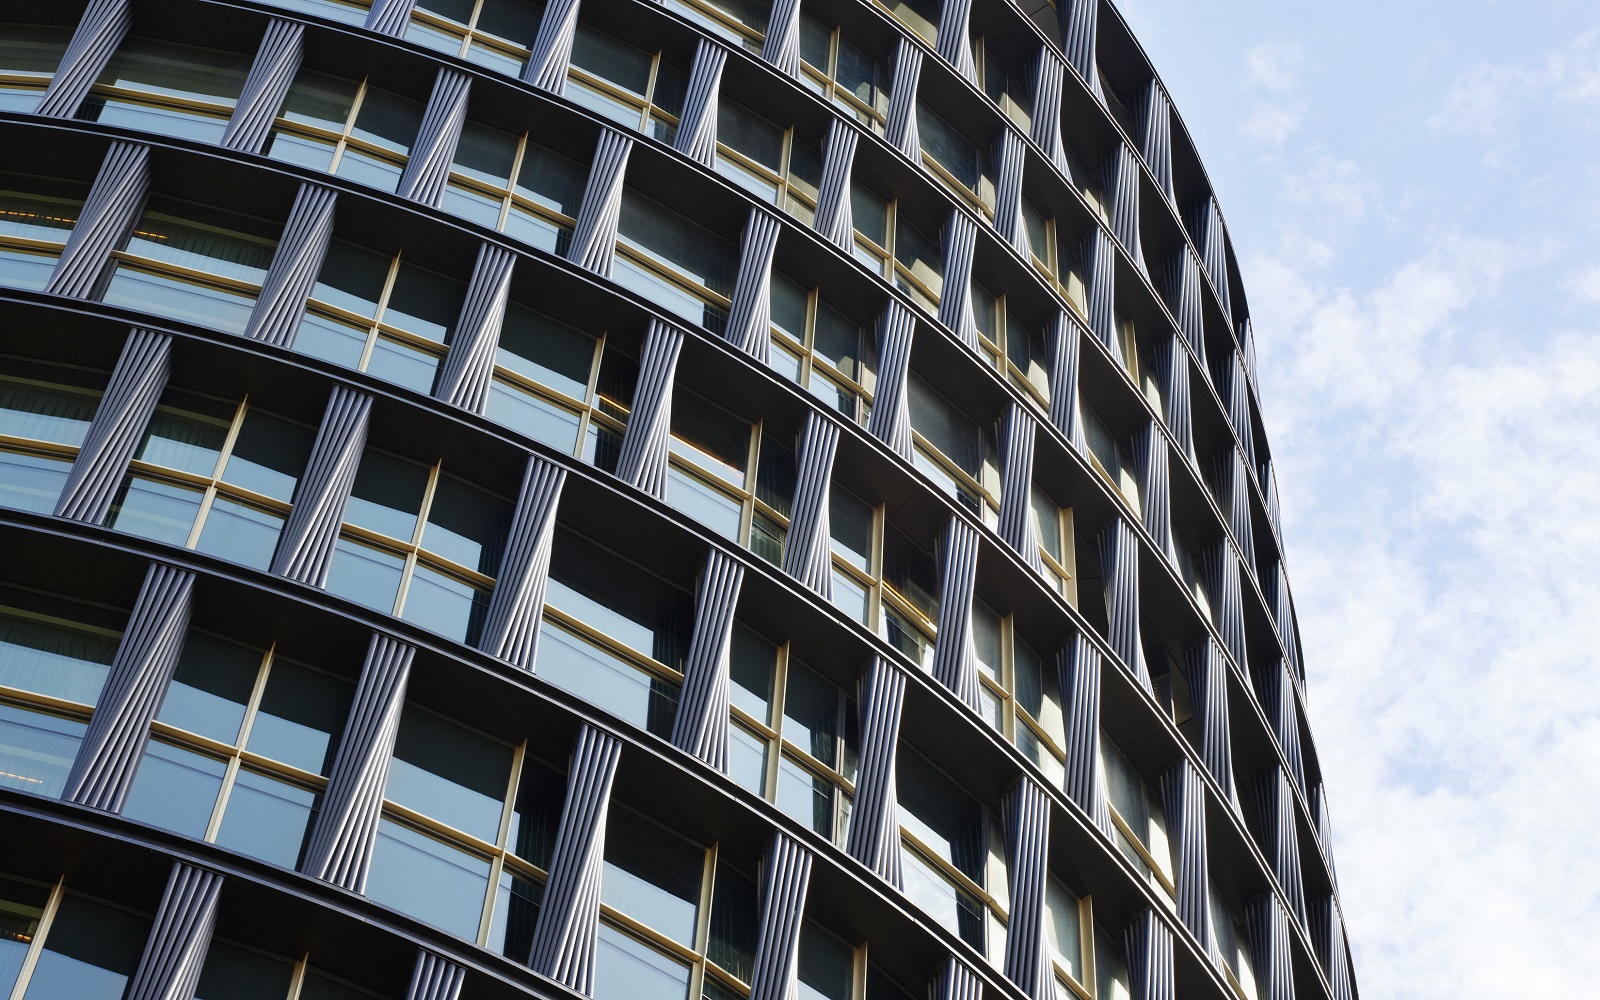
[1150, 453]
[389, 17]
[807, 552]
[552, 47]
[110, 210]
[901, 130]
[1221, 568]
[1122, 184]
[295, 265]
[511, 627]
[312, 529]
[1078, 20]
[781, 47]
[750, 318]
[1283, 840]
[1016, 492]
[1268, 928]
[834, 220]
[119, 421]
[1100, 269]
[1049, 73]
[180, 935]
[1205, 226]
[643, 462]
[435, 977]
[1119, 564]
[1182, 274]
[953, 46]
[1027, 852]
[1231, 473]
[1079, 665]
[890, 421]
[697, 128]
[145, 658]
[340, 847]
[1183, 794]
[785, 877]
[568, 922]
[701, 727]
[957, 981]
[469, 367]
[955, 303]
[1064, 381]
[1208, 680]
[276, 63]
[1283, 615]
[1172, 362]
[1151, 975]
[955, 659]
[1155, 139]
[1239, 408]
[428, 166]
[874, 838]
[594, 233]
[105, 23]
[1327, 934]
[1008, 191]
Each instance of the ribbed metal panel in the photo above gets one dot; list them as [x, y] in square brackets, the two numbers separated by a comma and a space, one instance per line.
[1172, 363]
[901, 124]
[750, 318]
[435, 977]
[469, 366]
[1283, 841]
[957, 981]
[643, 462]
[1016, 491]
[1027, 855]
[1155, 138]
[785, 876]
[511, 627]
[1078, 20]
[1268, 928]
[565, 932]
[389, 17]
[955, 658]
[276, 63]
[1049, 73]
[1100, 295]
[109, 755]
[1322, 822]
[594, 231]
[105, 23]
[834, 220]
[1208, 684]
[807, 550]
[1221, 569]
[701, 726]
[1119, 565]
[696, 137]
[175, 951]
[1327, 935]
[552, 47]
[1183, 794]
[119, 421]
[1013, 157]
[312, 529]
[1247, 344]
[1151, 975]
[340, 847]
[1239, 408]
[295, 265]
[1150, 453]
[1230, 473]
[955, 303]
[108, 213]
[1079, 666]
[1064, 381]
[890, 421]
[1205, 225]
[428, 167]
[1122, 187]
[1182, 273]
[781, 47]
[1269, 482]
[1277, 698]
[952, 44]
[874, 838]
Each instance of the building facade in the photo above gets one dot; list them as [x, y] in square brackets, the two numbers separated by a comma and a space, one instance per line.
[634, 500]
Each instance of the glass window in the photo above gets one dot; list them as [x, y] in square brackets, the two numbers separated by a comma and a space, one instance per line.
[955, 451]
[843, 73]
[652, 876]
[1231, 944]
[29, 55]
[921, 16]
[768, 160]
[347, 11]
[90, 952]
[918, 264]
[37, 215]
[676, 264]
[821, 348]
[1110, 456]
[742, 22]
[625, 84]
[728, 475]
[956, 161]
[514, 184]
[945, 847]
[45, 411]
[346, 127]
[492, 33]
[1139, 819]
[1053, 529]
[240, 749]
[1110, 968]
[235, 973]
[169, 89]
[1063, 930]
[825, 966]
[1010, 91]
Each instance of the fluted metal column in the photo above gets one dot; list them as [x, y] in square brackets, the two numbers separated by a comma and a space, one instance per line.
[807, 551]
[1122, 187]
[469, 366]
[312, 530]
[834, 219]
[952, 44]
[1027, 852]
[1155, 135]
[565, 933]
[1151, 975]
[552, 47]
[696, 137]
[955, 659]
[273, 71]
[296, 262]
[1205, 225]
[1064, 381]
[119, 423]
[1078, 21]
[1049, 73]
[389, 17]
[1119, 565]
[435, 977]
[1078, 663]
[955, 302]
[781, 47]
[1327, 935]
[1183, 282]
[1100, 293]
[1183, 794]
[1013, 157]
[785, 877]
[1016, 491]
[109, 212]
[1283, 616]
[901, 127]
[890, 421]
[340, 846]
[1238, 400]
[750, 318]
[428, 167]
[957, 981]
[643, 462]
[701, 726]
[1172, 363]
[1277, 698]
[1150, 454]
[105, 23]
[1221, 568]
[109, 755]
[874, 838]
[1268, 929]
[180, 935]
[516, 609]
[594, 231]
[1282, 848]
[1208, 682]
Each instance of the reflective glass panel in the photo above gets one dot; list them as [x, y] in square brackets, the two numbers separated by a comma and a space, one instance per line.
[446, 771]
[91, 951]
[58, 659]
[37, 750]
[427, 878]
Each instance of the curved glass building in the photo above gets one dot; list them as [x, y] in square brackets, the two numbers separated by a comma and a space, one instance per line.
[645, 501]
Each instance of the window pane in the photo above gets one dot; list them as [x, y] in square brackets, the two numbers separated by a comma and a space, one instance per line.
[151, 508]
[850, 526]
[805, 796]
[826, 965]
[750, 134]
[59, 413]
[423, 303]
[234, 973]
[427, 878]
[751, 663]
[536, 814]
[1063, 933]
[811, 715]
[31, 482]
[387, 120]
[602, 678]
[322, 337]
[186, 433]
[175, 789]
[652, 875]
[547, 178]
[24, 269]
[692, 251]
[210, 687]
[269, 455]
[37, 750]
[206, 239]
[172, 70]
[366, 575]
[445, 604]
[735, 920]
[516, 911]
[611, 59]
[21, 906]
[90, 953]
[467, 525]
[57, 659]
[552, 354]
[387, 495]
[528, 413]
[691, 495]
[179, 299]
[449, 773]
[942, 815]
[628, 969]
[950, 906]
[747, 759]
[302, 712]
[240, 533]
[485, 154]
[267, 818]
[619, 599]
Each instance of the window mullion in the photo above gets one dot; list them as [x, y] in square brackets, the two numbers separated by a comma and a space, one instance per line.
[30, 961]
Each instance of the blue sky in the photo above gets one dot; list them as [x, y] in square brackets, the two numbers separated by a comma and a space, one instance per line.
[1411, 188]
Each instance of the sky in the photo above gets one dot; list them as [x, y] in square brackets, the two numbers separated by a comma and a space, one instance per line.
[1411, 190]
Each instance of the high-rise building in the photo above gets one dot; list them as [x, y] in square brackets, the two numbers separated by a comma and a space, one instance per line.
[638, 500]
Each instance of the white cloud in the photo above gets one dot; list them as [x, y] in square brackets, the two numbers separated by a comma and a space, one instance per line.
[1271, 124]
[1275, 65]
[1484, 99]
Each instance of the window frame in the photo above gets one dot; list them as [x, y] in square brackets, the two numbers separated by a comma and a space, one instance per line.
[808, 365]
[345, 138]
[744, 493]
[470, 34]
[649, 111]
[508, 196]
[824, 81]
[376, 327]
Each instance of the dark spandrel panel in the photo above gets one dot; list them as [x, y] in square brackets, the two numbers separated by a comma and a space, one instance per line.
[235, 973]
[881, 987]
[267, 818]
[302, 712]
[91, 951]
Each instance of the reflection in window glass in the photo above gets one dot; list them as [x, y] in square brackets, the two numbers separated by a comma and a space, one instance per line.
[90, 953]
